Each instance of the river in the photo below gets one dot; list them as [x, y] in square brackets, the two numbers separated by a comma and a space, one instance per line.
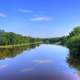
[40, 62]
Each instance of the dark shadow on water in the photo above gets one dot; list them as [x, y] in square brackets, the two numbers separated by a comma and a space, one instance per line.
[73, 58]
[12, 52]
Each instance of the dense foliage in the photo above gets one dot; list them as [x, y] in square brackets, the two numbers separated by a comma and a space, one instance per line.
[56, 40]
[73, 39]
[10, 38]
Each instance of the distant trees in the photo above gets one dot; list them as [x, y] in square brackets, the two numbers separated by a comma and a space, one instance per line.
[71, 40]
[10, 38]
[52, 40]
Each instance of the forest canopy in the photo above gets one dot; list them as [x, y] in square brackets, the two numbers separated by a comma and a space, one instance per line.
[11, 38]
[73, 39]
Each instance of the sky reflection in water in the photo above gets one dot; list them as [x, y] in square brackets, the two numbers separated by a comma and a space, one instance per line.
[46, 62]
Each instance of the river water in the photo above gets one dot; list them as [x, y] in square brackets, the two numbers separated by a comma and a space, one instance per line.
[36, 62]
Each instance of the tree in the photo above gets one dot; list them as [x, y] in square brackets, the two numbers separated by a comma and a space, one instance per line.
[73, 39]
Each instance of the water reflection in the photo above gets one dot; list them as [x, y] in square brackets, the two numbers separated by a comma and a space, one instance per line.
[26, 69]
[3, 66]
[47, 62]
[73, 59]
[12, 52]
[44, 61]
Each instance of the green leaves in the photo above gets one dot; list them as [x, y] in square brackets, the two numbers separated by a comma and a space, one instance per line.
[73, 40]
[10, 38]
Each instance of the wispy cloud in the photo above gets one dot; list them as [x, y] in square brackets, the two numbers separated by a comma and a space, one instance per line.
[3, 66]
[26, 69]
[25, 11]
[3, 15]
[41, 18]
[42, 61]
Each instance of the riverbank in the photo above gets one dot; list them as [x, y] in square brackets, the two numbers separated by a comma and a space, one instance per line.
[18, 45]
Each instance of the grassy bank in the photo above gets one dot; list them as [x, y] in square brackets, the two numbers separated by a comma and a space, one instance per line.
[18, 45]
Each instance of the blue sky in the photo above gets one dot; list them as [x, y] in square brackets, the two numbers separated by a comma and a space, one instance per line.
[39, 18]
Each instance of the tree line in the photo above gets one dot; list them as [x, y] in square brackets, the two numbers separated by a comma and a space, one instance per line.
[54, 40]
[71, 40]
[11, 38]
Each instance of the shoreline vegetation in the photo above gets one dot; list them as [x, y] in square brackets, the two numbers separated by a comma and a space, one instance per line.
[19, 45]
[69, 41]
[12, 44]
[10, 39]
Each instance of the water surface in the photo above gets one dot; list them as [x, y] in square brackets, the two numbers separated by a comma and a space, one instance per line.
[34, 62]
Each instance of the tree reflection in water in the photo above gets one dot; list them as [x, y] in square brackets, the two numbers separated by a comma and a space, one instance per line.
[73, 59]
[12, 52]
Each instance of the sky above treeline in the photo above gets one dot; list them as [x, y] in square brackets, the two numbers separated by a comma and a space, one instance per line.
[39, 18]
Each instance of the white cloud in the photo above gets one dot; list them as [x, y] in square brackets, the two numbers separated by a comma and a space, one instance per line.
[26, 69]
[42, 61]
[41, 18]
[25, 11]
[3, 66]
[3, 15]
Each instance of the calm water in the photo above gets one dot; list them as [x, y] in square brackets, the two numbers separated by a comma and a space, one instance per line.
[36, 62]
